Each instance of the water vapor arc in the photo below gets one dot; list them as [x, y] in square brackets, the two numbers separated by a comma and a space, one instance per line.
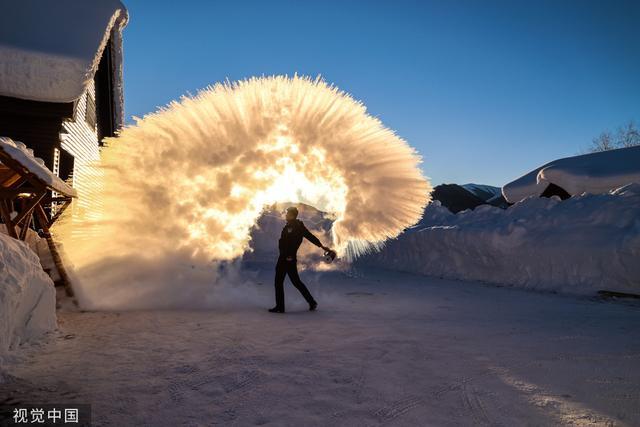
[195, 176]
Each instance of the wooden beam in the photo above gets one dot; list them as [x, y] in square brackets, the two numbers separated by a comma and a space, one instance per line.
[13, 164]
[26, 173]
[57, 259]
[59, 212]
[13, 192]
[42, 218]
[62, 271]
[25, 226]
[13, 180]
[28, 209]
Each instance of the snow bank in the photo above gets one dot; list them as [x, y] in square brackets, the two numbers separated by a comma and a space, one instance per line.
[23, 155]
[51, 50]
[581, 245]
[593, 173]
[27, 295]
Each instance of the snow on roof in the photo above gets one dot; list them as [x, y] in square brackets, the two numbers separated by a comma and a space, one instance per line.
[23, 155]
[49, 51]
[591, 173]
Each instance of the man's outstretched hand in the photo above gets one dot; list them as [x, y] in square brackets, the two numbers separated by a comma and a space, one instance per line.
[331, 251]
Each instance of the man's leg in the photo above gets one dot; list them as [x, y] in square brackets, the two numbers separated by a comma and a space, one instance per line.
[292, 270]
[279, 284]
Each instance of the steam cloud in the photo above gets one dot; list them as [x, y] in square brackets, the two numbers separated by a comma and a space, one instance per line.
[186, 184]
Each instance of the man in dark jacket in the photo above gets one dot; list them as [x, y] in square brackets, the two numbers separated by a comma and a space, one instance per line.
[290, 240]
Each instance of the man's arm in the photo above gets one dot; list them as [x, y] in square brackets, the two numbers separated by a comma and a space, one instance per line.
[310, 237]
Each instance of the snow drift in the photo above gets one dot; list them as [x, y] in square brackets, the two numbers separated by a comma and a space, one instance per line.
[27, 295]
[593, 173]
[581, 245]
[185, 185]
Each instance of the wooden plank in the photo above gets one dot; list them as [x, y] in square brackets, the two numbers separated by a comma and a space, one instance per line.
[25, 226]
[8, 177]
[23, 171]
[57, 259]
[61, 209]
[7, 193]
[42, 219]
[29, 208]
[62, 271]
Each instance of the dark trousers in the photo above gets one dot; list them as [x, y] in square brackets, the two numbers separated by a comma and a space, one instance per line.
[284, 267]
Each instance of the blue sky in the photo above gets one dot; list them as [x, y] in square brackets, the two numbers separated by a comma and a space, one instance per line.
[484, 90]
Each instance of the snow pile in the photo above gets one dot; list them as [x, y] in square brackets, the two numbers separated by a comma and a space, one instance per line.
[50, 50]
[23, 155]
[594, 173]
[580, 245]
[27, 295]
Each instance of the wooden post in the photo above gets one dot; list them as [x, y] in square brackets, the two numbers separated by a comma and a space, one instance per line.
[57, 259]
[13, 175]
[25, 226]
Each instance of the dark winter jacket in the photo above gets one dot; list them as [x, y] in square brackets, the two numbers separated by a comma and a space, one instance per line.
[291, 238]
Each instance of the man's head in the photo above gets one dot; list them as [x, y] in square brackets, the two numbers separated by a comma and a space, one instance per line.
[292, 213]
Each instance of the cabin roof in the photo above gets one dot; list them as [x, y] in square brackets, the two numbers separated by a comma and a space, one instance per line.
[592, 173]
[50, 50]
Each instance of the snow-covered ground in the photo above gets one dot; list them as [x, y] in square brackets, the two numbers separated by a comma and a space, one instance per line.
[384, 349]
[27, 296]
[587, 243]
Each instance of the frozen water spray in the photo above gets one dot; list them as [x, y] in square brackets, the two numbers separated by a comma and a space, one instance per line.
[186, 184]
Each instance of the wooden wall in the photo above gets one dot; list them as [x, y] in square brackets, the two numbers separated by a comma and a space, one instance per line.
[75, 128]
[80, 139]
[36, 124]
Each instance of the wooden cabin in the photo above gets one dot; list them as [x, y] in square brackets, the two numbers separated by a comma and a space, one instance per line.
[61, 88]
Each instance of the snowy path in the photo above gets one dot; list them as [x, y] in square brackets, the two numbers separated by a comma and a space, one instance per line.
[387, 349]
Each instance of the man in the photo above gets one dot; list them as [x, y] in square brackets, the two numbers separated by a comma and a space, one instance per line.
[290, 241]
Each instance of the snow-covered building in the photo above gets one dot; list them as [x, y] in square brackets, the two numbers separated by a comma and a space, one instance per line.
[593, 173]
[61, 88]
